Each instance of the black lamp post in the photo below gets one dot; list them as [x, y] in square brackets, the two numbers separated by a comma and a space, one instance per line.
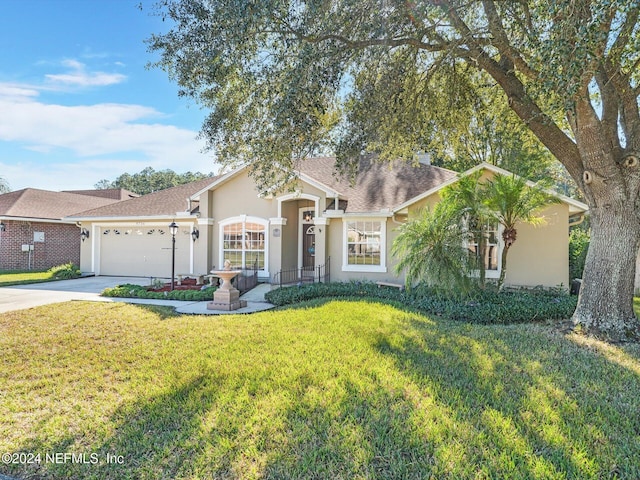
[173, 229]
[2, 229]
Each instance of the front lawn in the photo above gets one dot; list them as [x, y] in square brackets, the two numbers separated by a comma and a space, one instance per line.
[335, 390]
[24, 277]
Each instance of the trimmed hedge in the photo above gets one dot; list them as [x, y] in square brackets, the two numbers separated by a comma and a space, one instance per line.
[129, 290]
[482, 307]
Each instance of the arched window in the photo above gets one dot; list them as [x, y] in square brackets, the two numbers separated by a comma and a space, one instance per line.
[243, 241]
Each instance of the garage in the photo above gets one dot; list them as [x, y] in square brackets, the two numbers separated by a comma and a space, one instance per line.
[136, 251]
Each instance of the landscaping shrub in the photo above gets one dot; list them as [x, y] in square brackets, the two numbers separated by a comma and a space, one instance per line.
[578, 245]
[65, 271]
[480, 307]
[129, 290]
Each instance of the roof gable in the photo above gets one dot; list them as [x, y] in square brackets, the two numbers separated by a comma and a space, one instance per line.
[575, 206]
[378, 185]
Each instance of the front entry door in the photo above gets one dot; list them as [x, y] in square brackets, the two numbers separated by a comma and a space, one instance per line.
[308, 247]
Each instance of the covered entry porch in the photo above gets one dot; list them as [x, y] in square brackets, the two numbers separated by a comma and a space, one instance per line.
[299, 240]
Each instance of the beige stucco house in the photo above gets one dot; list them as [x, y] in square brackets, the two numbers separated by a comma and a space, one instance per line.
[323, 220]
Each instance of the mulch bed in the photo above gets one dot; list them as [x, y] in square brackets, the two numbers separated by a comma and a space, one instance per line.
[187, 284]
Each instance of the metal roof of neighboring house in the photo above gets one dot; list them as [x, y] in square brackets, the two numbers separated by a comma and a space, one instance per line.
[161, 203]
[378, 185]
[44, 204]
[113, 193]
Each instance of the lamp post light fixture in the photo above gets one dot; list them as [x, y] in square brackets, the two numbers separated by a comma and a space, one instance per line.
[3, 227]
[173, 229]
[195, 234]
[84, 234]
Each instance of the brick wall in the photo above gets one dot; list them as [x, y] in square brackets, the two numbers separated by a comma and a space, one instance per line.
[61, 245]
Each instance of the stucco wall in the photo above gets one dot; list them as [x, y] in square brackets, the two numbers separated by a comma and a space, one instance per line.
[238, 197]
[336, 240]
[540, 255]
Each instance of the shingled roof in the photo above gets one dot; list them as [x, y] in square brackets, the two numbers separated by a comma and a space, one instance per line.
[45, 204]
[161, 203]
[113, 193]
[378, 186]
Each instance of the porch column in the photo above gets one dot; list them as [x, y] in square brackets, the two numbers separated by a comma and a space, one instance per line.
[203, 246]
[321, 224]
[275, 244]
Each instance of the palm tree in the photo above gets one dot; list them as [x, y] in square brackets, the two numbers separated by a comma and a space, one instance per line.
[468, 199]
[512, 201]
[430, 249]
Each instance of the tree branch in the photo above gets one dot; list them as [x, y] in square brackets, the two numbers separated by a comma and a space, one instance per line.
[610, 110]
[615, 53]
[552, 136]
[502, 41]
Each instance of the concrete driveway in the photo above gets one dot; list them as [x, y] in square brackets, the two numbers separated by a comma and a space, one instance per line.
[36, 294]
[89, 288]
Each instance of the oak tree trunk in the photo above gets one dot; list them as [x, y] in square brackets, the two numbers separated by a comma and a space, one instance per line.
[605, 303]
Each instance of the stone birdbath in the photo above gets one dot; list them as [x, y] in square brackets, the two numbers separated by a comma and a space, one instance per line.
[226, 297]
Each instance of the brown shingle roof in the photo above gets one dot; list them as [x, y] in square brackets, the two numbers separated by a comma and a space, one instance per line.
[35, 203]
[378, 185]
[113, 193]
[161, 203]
[45, 204]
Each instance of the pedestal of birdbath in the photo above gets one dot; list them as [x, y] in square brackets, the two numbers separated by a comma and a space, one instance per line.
[226, 297]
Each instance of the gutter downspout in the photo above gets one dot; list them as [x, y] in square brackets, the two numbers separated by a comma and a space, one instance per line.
[577, 222]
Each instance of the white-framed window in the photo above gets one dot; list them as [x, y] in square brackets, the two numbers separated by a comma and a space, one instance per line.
[244, 242]
[364, 245]
[492, 253]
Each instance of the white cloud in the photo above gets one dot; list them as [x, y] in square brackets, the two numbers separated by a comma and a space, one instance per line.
[17, 92]
[79, 145]
[80, 77]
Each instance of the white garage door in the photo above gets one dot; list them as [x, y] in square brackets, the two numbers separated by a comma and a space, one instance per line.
[142, 251]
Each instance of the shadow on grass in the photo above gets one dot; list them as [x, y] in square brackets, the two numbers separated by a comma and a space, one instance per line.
[550, 408]
[319, 302]
[423, 399]
[161, 311]
[152, 438]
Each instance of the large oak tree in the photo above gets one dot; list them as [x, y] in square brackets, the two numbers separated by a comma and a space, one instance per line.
[283, 79]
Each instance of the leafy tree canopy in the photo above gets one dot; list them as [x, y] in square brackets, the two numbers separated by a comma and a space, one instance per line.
[287, 78]
[149, 180]
[283, 79]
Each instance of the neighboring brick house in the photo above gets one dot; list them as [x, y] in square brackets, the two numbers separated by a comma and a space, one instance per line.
[33, 232]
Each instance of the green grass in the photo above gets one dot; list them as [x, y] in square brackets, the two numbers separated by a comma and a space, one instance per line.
[24, 277]
[334, 390]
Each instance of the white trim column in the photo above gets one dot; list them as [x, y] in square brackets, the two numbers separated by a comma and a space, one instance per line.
[322, 223]
[275, 241]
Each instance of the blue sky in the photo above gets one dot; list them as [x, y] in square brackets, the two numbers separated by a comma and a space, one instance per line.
[77, 103]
